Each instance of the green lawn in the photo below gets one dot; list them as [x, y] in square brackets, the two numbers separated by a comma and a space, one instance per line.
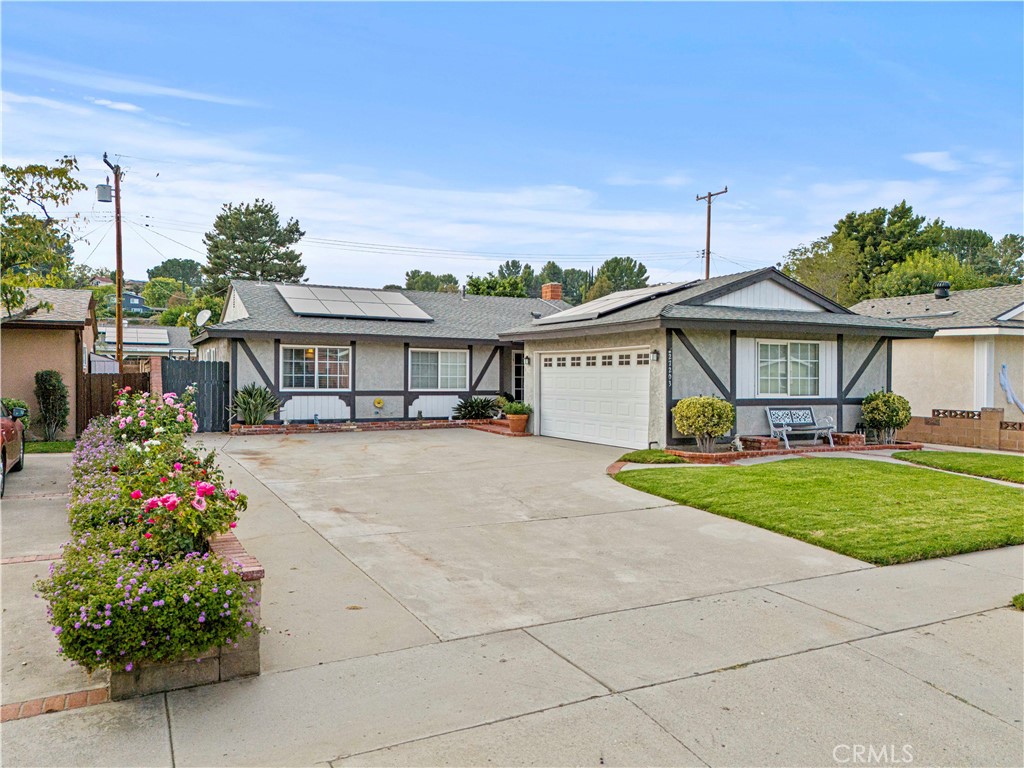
[878, 512]
[999, 466]
[52, 446]
[652, 457]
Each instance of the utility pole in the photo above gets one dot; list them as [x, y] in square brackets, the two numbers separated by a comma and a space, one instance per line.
[119, 272]
[707, 250]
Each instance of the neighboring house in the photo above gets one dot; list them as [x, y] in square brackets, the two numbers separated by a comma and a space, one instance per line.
[609, 371]
[977, 332]
[134, 303]
[100, 280]
[60, 338]
[144, 341]
[336, 354]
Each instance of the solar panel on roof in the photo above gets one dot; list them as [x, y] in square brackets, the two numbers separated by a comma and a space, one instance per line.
[350, 302]
[134, 335]
[608, 304]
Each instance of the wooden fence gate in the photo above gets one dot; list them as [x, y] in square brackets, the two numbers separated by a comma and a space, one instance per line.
[95, 393]
[213, 389]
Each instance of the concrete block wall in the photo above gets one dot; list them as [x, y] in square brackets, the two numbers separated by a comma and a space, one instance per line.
[989, 430]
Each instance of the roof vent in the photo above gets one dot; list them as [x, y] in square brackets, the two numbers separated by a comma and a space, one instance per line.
[941, 290]
[536, 315]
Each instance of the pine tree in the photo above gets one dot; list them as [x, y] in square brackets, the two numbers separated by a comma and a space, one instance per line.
[248, 242]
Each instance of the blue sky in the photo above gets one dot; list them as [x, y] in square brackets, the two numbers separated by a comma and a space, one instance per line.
[574, 130]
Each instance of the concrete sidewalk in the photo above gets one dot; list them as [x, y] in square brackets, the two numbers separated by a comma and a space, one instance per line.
[445, 616]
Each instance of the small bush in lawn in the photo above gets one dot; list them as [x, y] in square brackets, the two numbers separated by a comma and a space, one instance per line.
[52, 395]
[475, 408]
[113, 604]
[13, 402]
[254, 404]
[886, 412]
[706, 418]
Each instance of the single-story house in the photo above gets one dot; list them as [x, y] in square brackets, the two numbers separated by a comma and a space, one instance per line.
[610, 371]
[36, 338]
[134, 303]
[145, 341]
[977, 333]
[337, 354]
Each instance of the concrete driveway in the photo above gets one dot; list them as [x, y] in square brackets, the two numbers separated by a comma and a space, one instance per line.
[458, 598]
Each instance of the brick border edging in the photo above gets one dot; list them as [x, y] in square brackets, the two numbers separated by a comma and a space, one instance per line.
[243, 430]
[731, 456]
[60, 702]
[31, 558]
[227, 546]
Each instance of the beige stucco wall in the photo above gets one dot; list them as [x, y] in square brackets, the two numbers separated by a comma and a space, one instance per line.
[939, 372]
[655, 339]
[23, 351]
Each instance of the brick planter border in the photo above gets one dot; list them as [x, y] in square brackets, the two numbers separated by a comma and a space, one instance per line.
[242, 430]
[226, 662]
[728, 457]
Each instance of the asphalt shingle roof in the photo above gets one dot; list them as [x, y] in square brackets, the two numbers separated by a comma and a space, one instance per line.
[454, 316]
[977, 308]
[69, 306]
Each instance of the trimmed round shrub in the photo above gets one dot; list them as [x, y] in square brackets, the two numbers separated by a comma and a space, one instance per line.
[706, 418]
[885, 412]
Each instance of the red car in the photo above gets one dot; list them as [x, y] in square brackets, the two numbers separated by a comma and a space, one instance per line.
[12, 443]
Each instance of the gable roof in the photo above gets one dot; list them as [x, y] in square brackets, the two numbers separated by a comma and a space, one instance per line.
[453, 316]
[72, 308]
[976, 308]
[687, 305]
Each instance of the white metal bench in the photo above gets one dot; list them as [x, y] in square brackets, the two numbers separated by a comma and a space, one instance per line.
[798, 420]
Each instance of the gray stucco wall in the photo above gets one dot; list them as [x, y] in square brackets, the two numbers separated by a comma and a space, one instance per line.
[379, 372]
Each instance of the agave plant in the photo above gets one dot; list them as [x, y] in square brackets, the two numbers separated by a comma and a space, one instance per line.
[254, 403]
[475, 408]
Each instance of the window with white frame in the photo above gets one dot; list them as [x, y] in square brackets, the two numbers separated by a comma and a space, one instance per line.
[788, 368]
[315, 367]
[439, 369]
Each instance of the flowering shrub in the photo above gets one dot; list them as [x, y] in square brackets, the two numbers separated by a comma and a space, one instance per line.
[142, 416]
[113, 603]
[138, 582]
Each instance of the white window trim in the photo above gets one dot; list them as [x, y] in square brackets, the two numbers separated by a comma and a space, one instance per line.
[469, 373]
[314, 388]
[757, 369]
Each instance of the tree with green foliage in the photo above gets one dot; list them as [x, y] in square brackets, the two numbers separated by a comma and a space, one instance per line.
[827, 266]
[159, 290]
[602, 287]
[884, 237]
[35, 241]
[184, 315]
[623, 272]
[187, 271]
[106, 300]
[704, 417]
[492, 285]
[515, 268]
[575, 284]
[415, 280]
[1007, 260]
[249, 242]
[919, 272]
[52, 395]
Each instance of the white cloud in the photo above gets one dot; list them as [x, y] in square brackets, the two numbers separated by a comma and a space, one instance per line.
[119, 106]
[943, 162]
[632, 180]
[97, 80]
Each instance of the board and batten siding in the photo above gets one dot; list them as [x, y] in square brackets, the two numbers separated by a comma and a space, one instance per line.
[766, 295]
[747, 373]
[322, 407]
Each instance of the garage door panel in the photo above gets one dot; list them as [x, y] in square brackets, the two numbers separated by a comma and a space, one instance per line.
[602, 403]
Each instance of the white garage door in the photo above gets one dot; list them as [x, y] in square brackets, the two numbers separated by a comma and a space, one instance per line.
[598, 396]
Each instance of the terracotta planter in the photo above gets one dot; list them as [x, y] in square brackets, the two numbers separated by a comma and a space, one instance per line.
[517, 422]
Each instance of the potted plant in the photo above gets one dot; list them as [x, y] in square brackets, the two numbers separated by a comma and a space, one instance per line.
[517, 413]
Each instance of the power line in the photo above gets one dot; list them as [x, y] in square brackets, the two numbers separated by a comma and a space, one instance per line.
[109, 227]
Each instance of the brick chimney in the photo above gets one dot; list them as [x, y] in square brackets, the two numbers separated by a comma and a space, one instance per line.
[551, 291]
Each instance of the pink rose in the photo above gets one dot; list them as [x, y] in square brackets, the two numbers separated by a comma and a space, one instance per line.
[233, 525]
[136, 495]
[199, 503]
[177, 466]
[180, 417]
[152, 503]
[147, 535]
[232, 494]
[142, 422]
[170, 501]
